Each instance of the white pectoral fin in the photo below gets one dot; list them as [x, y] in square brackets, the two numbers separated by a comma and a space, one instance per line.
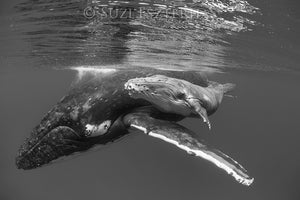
[187, 140]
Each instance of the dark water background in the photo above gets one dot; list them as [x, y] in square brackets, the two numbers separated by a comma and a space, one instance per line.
[41, 40]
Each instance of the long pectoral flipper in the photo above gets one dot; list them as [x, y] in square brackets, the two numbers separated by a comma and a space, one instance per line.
[187, 140]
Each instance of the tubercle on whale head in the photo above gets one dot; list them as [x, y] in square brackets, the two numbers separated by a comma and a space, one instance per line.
[61, 132]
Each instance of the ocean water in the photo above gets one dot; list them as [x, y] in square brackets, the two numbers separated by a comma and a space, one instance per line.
[253, 44]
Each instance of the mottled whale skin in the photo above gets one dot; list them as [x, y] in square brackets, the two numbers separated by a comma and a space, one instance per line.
[93, 100]
[99, 109]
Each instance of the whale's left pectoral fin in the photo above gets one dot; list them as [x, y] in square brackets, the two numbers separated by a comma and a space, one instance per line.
[187, 140]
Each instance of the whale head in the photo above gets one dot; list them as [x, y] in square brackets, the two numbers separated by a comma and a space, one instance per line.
[82, 119]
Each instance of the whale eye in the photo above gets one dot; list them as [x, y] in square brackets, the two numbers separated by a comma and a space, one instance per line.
[180, 95]
[93, 130]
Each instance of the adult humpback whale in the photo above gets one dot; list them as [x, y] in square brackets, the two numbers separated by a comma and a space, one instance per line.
[100, 110]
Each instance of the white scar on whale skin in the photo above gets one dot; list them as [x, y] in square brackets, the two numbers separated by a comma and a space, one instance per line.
[96, 130]
[208, 157]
